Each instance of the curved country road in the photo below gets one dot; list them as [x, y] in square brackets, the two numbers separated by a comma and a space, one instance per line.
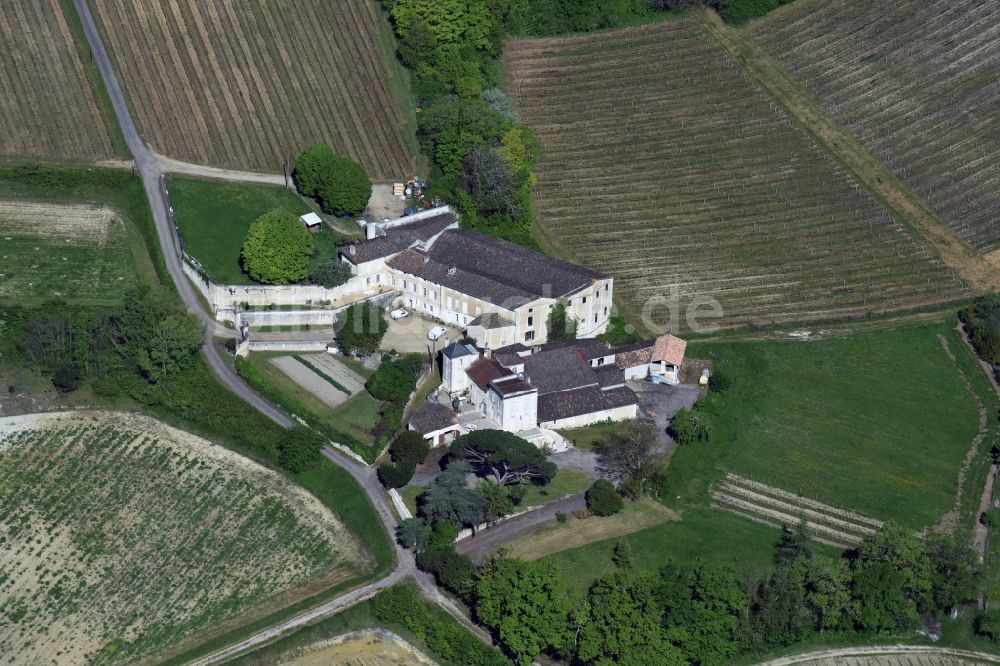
[893, 655]
[489, 539]
[150, 168]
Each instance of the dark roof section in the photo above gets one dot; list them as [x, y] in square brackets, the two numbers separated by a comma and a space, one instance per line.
[610, 375]
[485, 370]
[513, 386]
[508, 359]
[487, 288]
[558, 370]
[591, 347]
[516, 348]
[586, 400]
[489, 320]
[517, 267]
[458, 350]
[431, 417]
[398, 239]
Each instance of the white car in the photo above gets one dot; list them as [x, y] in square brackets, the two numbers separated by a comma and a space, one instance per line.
[436, 332]
[398, 314]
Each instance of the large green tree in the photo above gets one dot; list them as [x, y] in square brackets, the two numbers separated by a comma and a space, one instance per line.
[626, 453]
[361, 328]
[448, 499]
[153, 334]
[277, 249]
[624, 625]
[504, 457]
[340, 185]
[526, 604]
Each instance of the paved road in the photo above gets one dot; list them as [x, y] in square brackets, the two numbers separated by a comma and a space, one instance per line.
[490, 539]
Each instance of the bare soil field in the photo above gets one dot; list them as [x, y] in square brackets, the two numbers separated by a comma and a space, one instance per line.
[892, 655]
[78, 252]
[245, 85]
[48, 106]
[317, 382]
[363, 648]
[688, 181]
[122, 536]
[917, 83]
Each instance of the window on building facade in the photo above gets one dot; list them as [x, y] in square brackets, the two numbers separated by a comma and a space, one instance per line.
[529, 335]
[531, 320]
[584, 299]
[595, 319]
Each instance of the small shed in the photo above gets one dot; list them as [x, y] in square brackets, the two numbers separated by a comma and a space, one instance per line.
[312, 221]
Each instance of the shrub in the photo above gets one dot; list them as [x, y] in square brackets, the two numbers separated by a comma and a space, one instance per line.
[603, 500]
[410, 445]
[361, 328]
[561, 516]
[396, 475]
[988, 624]
[688, 426]
[67, 377]
[331, 274]
[395, 379]
[991, 517]
[452, 571]
[339, 185]
[299, 449]
[277, 249]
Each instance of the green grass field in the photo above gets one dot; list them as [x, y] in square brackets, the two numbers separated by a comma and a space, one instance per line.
[80, 235]
[214, 217]
[565, 482]
[586, 438]
[874, 422]
[702, 534]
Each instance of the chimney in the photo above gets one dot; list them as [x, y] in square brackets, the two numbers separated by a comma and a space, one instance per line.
[426, 259]
[452, 270]
[353, 250]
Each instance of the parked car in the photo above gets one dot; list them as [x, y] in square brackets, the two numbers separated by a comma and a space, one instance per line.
[436, 332]
[398, 314]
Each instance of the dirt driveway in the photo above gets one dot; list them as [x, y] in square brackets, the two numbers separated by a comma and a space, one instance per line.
[659, 403]
[410, 335]
[383, 204]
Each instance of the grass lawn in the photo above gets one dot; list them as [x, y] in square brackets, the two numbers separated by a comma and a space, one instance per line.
[350, 423]
[565, 482]
[409, 495]
[94, 245]
[214, 217]
[586, 438]
[875, 422]
[702, 533]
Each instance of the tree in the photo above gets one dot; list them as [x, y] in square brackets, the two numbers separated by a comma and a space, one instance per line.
[705, 622]
[492, 182]
[497, 100]
[626, 453]
[67, 377]
[621, 556]
[410, 445]
[396, 378]
[560, 326]
[603, 499]
[448, 499]
[880, 599]
[953, 566]
[339, 185]
[396, 474]
[827, 591]
[497, 501]
[903, 554]
[153, 335]
[452, 570]
[277, 249]
[299, 449]
[689, 426]
[988, 624]
[525, 604]
[362, 327]
[623, 624]
[794, 544]
[503, 456]
[331, 274]
[413, 533]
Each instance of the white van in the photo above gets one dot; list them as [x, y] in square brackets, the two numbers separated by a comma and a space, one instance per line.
[436, 332]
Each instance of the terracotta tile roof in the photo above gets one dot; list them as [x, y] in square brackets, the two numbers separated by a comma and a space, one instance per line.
[633, 355]
[431, 417]
[485, 370]
[670, 349]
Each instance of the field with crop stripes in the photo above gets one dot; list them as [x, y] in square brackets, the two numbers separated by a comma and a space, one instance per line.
[47, 105]
[918, 83]
[244, 84]
[120, 537]
[664, 165]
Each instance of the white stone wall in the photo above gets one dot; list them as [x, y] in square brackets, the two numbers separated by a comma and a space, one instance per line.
[518, 412]
[617, 414]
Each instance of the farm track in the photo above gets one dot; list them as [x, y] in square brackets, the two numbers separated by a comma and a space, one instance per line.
[776, 507]
[47, 103]
[917, 84]
[695, 170]
[887, 655]
[148, 167]
[248, 86]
